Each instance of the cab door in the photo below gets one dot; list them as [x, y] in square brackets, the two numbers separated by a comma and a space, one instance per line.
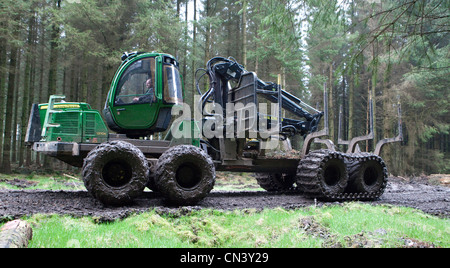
[135, 103]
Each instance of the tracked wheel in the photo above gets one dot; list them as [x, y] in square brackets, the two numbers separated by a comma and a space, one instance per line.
[367, 174]
[322, 174]
[184, 175]
[115, 172]
[275, 181]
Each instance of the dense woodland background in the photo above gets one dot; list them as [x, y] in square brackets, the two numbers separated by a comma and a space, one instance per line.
[392, 49]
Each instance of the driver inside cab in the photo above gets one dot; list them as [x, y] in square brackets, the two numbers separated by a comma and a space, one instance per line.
[149, 96]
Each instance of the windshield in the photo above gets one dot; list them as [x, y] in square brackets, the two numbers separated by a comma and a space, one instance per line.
[173, 92]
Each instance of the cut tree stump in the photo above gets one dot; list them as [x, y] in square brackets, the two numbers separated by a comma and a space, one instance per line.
[15, 234]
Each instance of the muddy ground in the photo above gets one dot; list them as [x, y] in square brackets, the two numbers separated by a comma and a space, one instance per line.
[415, 193]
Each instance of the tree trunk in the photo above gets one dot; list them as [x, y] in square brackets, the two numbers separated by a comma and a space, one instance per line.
[26, 92]
[15, 234]
[244, 32]
[185, 48]
[331, 106]
[17, 107]
[194, 50]
[53, 72]
[208, 33]
[2, 84]
[369, 97]
[33, 95]
[207, 36]
[6, 167]
[373, 94]
[350, 108]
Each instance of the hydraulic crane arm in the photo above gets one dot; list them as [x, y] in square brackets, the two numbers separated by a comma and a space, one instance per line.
[223, 70]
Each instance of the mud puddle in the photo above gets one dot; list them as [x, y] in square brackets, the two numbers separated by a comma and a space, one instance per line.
[432, 199]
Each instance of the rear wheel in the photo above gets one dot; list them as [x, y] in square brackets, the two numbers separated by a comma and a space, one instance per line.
[369, 175]
[115, 172]
[275, 181]
[185, 174]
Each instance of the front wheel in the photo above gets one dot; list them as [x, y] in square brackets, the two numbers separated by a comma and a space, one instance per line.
[115, 172]
[322, 174]
[184, 175]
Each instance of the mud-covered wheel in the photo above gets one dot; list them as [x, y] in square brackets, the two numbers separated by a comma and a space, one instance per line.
[368, 176]
[333, 175]
[184, 175]
[322, 174]
[115, 172]
[275, 181]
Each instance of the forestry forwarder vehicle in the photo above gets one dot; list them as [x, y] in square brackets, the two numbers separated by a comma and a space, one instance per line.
[116, 167]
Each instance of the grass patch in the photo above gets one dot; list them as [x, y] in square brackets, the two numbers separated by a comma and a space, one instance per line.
[40, 182]
[348, 225]
[236, 181]
[225, 181]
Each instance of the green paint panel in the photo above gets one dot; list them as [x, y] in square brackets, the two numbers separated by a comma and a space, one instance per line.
[74, 122]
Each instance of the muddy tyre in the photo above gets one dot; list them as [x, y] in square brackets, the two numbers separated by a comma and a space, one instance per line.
[322, 174]
[184, 175]
[115, 173]
[275, 181]
[368, 175]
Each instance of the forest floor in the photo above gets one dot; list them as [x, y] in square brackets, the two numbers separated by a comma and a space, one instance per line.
[430, 194]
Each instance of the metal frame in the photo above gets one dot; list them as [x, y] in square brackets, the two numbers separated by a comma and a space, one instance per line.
[398, 138]
[50, 111]
[313, 137]
[352, 144]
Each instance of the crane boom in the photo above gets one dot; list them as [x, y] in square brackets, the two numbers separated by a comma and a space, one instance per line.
[223, 70]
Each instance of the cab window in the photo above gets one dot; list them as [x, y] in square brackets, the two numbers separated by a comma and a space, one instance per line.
[173, 91]
[137, 84]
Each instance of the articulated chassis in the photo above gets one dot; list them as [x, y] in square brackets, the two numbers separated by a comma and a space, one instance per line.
[75, 153]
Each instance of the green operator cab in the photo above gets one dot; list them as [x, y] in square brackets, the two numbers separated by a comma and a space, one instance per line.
[143, 91]
[139, 103]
